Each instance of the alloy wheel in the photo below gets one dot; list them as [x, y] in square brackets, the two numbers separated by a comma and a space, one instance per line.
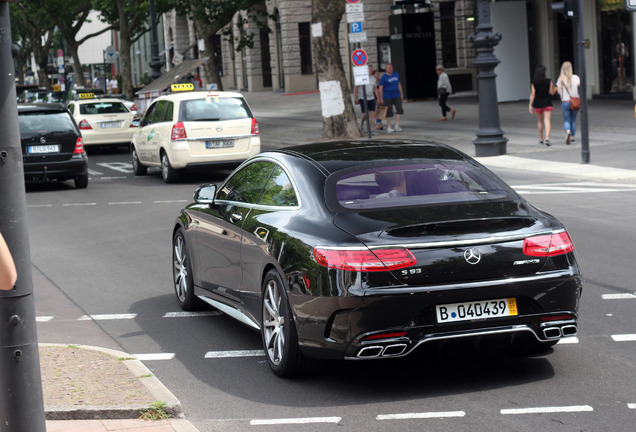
[273, 322]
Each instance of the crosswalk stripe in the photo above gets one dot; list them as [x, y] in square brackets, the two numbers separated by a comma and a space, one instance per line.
[422, 415]
[107, 317]
[234, 354]
[618, 296]
[545, 410]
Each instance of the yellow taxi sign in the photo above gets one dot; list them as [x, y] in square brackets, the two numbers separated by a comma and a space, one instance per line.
[86, 95]
[182, 87]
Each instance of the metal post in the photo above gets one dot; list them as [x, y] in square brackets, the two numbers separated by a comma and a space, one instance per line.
[490, 140]
[580, 40]
[155, 63]
[21, 400]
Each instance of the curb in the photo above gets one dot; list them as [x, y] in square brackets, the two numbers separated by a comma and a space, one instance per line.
[118, 412]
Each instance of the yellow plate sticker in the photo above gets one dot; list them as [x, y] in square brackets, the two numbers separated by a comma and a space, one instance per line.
[512, 306]
[86, 95]
[182, 87]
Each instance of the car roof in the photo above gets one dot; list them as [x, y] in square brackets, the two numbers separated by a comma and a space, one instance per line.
[41, 107]
[198, 94]
[338, 155]
[98, 100]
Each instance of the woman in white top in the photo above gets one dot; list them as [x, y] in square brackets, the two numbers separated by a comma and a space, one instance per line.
[568, 86]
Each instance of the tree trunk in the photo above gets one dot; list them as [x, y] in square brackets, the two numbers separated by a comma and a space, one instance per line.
[77, 65]
[208, 32]
[125, 43]
[338, 115]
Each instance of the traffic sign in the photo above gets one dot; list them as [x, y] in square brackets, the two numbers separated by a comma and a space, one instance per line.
[357, 37]
[353, 1]
[354, 8]
[360, 75]
[356, 27]
[359, 57]
[355, 17]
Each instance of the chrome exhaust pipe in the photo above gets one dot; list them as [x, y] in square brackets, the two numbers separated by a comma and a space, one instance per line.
[370, 351]
[552, 332]
[394, 350]
[569, 330]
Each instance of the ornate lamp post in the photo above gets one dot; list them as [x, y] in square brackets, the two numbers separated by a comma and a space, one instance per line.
[155, 63]
[490, 140]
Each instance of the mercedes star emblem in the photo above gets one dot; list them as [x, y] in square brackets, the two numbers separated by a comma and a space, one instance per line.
[42, 140]
[472, 256]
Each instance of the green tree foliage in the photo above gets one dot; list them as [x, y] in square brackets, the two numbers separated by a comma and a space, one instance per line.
[132, 19]
[212, 17]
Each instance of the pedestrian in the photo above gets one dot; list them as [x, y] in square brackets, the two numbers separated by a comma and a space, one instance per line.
[96, 81]
[8, 273]
[541, 92]
[113, 85]
[443, 90]
[568, 87]
[196, 81]
[378, 122]
[370, 90]
[391, 95]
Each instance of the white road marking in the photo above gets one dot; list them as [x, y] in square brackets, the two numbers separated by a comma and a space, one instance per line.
[624, 338]
[234, 354]
[584, 187]
[124, 202]
[547, 410]
[631, 405]
[78, 204]
[39, 205]
[111, 178]
[107, 317]
[428, 415]
[157, 356]
[191, 314]
[125, 167]
[169, 201]
[568, 340]
[94, 173]
[305, 420]
[43, 318]
[618, 296]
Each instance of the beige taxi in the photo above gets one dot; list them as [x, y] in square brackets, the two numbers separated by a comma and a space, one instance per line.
[104, 121]
[188, 128]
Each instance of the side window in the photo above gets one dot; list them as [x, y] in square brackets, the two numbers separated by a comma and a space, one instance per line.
[161, 111]
[150, 115]
[71, 108]
[246, 185]
[278, 190]
[169, 111]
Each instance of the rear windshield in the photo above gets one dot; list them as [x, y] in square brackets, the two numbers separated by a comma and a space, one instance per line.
[103, 108]
[414, 184]
[213, 108]
[39, 123]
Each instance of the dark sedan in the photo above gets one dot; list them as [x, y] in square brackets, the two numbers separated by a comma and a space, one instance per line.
[52, 145]
[362, 250]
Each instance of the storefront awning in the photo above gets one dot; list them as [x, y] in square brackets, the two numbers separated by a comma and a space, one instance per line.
[175, 75]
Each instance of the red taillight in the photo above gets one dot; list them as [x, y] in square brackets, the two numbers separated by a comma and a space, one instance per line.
[255, 130]
[365, 260]
[84, 125]
[548, 245]
[133, 107]
[79, 146]
[178, 131]
[385, 335]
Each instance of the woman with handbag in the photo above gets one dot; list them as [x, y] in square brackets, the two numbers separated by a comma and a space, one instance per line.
[568, 87]
[443, 90]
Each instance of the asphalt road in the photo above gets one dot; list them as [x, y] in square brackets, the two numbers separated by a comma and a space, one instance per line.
[102, 276]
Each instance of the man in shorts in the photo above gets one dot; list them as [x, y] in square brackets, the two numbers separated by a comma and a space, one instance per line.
[371, 90]
[390, 95]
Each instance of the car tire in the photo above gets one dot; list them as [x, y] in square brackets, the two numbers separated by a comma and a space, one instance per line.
[138, 168]
[182, 273]
[169, 174]
[278, 332]
[81, 182]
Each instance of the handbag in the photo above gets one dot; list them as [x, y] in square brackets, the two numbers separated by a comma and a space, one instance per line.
[380, 112]
[575, 102]
[442, 91]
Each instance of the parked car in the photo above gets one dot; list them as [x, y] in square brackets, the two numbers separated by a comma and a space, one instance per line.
[103, 121]
[52, 145]
[194, 128]
[365, 250]
[132, 107]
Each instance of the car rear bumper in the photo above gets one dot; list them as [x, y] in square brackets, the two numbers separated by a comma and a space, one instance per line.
[60, 170]
[108, 138]
[358, 327]
[181, 155]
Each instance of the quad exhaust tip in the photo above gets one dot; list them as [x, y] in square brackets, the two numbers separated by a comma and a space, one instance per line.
[382, 351]
[559, 332]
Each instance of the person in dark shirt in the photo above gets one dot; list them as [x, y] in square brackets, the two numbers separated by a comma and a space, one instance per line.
[541, 92]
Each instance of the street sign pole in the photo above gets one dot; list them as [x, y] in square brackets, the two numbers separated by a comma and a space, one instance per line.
[21, 400]
[580, 40]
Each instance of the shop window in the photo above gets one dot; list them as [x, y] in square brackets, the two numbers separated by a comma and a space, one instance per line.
[449, 36]
[304, 38]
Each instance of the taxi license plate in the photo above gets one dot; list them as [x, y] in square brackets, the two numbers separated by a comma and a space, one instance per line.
[476, 310]
[111, 125]
[219, 144]
[51, 148]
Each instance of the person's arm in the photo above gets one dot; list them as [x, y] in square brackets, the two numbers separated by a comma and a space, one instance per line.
[553, 89]
[531, 98]
[355, 94]
[400, 87]
[8, 273]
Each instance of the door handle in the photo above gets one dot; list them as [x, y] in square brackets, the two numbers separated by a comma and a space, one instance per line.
[236, 217]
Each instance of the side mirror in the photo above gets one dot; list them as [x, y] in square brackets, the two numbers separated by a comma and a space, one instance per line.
[205, 194]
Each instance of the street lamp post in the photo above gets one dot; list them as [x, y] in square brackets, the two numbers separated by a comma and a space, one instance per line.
[490, 140]
[155, 63]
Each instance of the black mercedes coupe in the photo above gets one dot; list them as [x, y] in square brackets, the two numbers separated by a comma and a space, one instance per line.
[363, 250]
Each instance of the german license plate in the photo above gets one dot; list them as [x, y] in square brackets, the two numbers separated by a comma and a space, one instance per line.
[111, 125]
[51, 148]
[214, 144]
[476, 310]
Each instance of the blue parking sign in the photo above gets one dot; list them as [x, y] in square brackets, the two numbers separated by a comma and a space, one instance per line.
[356, 27]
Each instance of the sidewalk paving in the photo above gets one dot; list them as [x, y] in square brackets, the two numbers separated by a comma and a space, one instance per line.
[91, 389]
